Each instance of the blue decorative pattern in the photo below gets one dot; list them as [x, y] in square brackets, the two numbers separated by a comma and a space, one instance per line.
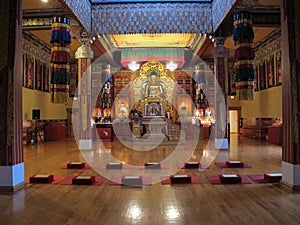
[220, 8]
[151, 18]
[82, 10]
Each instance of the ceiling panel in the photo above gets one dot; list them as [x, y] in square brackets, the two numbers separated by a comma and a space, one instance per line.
[148, 1]
[140, 40]
[152, 40]
[38, 4]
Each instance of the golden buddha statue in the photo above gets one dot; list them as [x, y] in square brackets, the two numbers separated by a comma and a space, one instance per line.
[154, 88]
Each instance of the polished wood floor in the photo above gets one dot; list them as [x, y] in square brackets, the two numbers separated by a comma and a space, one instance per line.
[49, 204]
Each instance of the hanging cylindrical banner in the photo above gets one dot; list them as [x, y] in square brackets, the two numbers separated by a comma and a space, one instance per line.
[60, 59]
[243, 36]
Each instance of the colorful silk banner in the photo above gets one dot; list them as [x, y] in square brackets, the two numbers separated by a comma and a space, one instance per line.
[60, 59]
[244, 54]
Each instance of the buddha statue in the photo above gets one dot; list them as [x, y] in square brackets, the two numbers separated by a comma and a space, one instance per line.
[154, 87]
[123, 111]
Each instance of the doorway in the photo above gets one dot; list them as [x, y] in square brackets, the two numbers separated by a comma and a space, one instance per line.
[234, 114]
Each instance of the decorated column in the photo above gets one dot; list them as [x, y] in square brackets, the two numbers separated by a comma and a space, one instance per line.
[244, 55]
[11, 151]
[290, 41]
[220, 54]
[60, 59]
[84, 54]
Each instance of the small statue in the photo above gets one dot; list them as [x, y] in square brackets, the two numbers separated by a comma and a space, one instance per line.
[123, 112]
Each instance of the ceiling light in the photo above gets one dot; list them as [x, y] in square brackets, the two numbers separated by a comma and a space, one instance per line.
[133, 66]
[93, 38]
[45, 1]
[171, 66]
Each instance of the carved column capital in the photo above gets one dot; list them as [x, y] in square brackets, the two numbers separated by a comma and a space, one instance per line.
[84, 51]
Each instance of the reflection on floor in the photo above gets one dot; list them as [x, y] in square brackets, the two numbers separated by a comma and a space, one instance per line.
[203, 203]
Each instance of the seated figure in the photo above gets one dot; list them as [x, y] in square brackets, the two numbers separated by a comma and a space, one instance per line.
[123, 112]
[154, 88]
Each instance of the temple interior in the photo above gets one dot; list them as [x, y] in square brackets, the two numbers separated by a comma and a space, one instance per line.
[149, 112]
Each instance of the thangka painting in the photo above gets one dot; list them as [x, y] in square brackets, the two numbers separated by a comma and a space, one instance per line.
[73, 79]
[38, 74]
[270, 71]
[278, 68]
[29, 78]
[262, 75]
[46, 80]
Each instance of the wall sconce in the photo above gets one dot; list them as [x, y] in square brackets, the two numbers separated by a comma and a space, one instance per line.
[171, 66]
[133, 66]
[232, 97]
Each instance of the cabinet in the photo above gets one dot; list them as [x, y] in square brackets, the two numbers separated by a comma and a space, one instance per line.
[185, 84]
[103, 130]
[275, 135]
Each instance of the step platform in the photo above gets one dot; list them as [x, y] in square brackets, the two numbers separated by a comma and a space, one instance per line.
[114, 166]
[152, 165]
[230, 178]
[75, 165]
[181, 179]
[41, 179]
[234, 164]
[273, 177]
[83, 180]
[132, 180]
[191, 165]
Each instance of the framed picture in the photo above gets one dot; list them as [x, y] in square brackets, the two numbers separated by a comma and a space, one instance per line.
[38, 74]
[256, 76]
[73, 80]
[29, 71]
[270, 71]
[46, 78]
[262, 75]
[278, 68]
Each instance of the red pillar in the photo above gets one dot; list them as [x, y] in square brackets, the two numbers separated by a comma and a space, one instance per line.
[220, 54]
[11, 151]
[290, 26]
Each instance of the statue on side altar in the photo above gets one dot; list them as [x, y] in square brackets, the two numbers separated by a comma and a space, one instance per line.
[123, 111]
[154, 88]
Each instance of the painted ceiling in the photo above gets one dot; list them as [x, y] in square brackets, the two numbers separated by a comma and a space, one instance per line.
[152, 40]
[109, 41]
[148, 1]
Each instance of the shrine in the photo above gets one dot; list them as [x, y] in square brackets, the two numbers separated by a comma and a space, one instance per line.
[154, 101]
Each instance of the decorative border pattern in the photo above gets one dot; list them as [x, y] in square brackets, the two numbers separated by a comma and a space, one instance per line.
[82, 10]
[152, 18]
[220, 9]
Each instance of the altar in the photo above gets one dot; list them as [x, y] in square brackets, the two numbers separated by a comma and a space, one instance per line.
[154, 126]
[153, 103]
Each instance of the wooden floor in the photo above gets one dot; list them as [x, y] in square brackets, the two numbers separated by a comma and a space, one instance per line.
[157, 204]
